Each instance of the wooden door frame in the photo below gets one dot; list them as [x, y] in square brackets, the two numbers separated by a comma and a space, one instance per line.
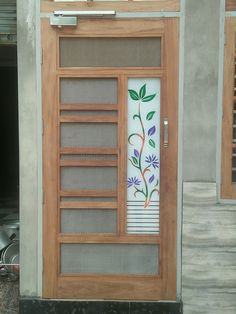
[61, 286]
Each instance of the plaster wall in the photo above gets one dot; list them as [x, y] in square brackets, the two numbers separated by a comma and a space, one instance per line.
[28, 146]
[200, 89]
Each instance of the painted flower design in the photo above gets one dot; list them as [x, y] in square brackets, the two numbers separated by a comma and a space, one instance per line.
[152, 160]
[133, 181]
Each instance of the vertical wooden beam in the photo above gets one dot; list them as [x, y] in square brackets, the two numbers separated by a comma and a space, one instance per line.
[50, 160]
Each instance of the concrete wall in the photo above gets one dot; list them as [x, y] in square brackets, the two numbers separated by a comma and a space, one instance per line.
[28, 146]
[209, 252]
[200, 89]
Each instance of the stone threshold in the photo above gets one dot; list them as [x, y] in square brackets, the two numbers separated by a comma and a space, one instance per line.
[39, 306]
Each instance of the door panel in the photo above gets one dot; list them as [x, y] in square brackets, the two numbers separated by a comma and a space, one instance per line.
[109, 178]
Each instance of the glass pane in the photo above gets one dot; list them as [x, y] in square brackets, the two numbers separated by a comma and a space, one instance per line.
[88, 91]
[143, 175]
[110, 52]
[110, 258]
[88, 135]
[88, 221]
[95, 178]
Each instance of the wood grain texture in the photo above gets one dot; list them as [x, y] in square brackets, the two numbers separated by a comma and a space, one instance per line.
[122, 6]
[88, 119]
[103, 287]
[89, 107]
[88, 150]
[89, 193]
[108, 238]
[88, 205]
[230, 5]
[228, 190]
[50, 161]
[168, 173]
[88, 163]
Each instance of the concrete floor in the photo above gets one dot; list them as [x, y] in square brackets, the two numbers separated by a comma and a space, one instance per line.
[9, 296]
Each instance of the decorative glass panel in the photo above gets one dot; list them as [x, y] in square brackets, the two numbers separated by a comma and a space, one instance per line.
[143, 175]
[110, 258]
[110, 52]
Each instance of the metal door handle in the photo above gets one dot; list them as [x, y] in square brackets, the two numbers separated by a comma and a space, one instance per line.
[166, 132]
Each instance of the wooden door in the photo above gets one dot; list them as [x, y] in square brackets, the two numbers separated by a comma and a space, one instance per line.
[110, 99]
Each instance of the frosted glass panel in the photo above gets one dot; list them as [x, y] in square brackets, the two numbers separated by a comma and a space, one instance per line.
[88, 221]
[110, 258]
[143, 175]
[110, 52]
[88, 90]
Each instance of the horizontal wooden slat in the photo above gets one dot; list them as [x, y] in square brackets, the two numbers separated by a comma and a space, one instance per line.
[89, 107]
[88, 163]
[230, 5]
[88, 205]
[88, 151]
[88, 193]
[111, 287]
[139, 6]
[106, 238]
[77, 72]
[89, 119]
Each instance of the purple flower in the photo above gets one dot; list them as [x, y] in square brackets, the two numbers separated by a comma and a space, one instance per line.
[133, 181]
[152, 161]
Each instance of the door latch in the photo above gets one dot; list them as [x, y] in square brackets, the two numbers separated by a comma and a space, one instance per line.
[166, 132]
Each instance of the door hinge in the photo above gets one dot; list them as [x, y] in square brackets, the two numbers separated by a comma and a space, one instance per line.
[225, 39]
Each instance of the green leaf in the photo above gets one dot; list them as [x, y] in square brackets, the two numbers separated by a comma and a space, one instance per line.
[133, 94]
[136, 116]
[152, 143]
[150, 115]
[142, 91]
[148, 98]
[135, 160]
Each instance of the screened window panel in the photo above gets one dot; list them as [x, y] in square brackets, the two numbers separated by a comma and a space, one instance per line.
[88, 221]
[110, 52]
[109, 258]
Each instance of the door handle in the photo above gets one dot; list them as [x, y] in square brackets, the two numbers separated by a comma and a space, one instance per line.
[166, 132]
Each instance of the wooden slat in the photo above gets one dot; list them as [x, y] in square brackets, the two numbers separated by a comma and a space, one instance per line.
[106, 238]
[122, 6]
[88, 119]
[88, 163]
[103, 287]
[89, 193]
[168, 173]
[88, 150]
[227, 188]
[230, 5]
[88, 107]
[110, 72]
[88, 205]
[50, 161]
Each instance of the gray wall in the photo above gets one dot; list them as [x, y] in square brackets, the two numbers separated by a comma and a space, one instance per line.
[200, 89]
[28, 146]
